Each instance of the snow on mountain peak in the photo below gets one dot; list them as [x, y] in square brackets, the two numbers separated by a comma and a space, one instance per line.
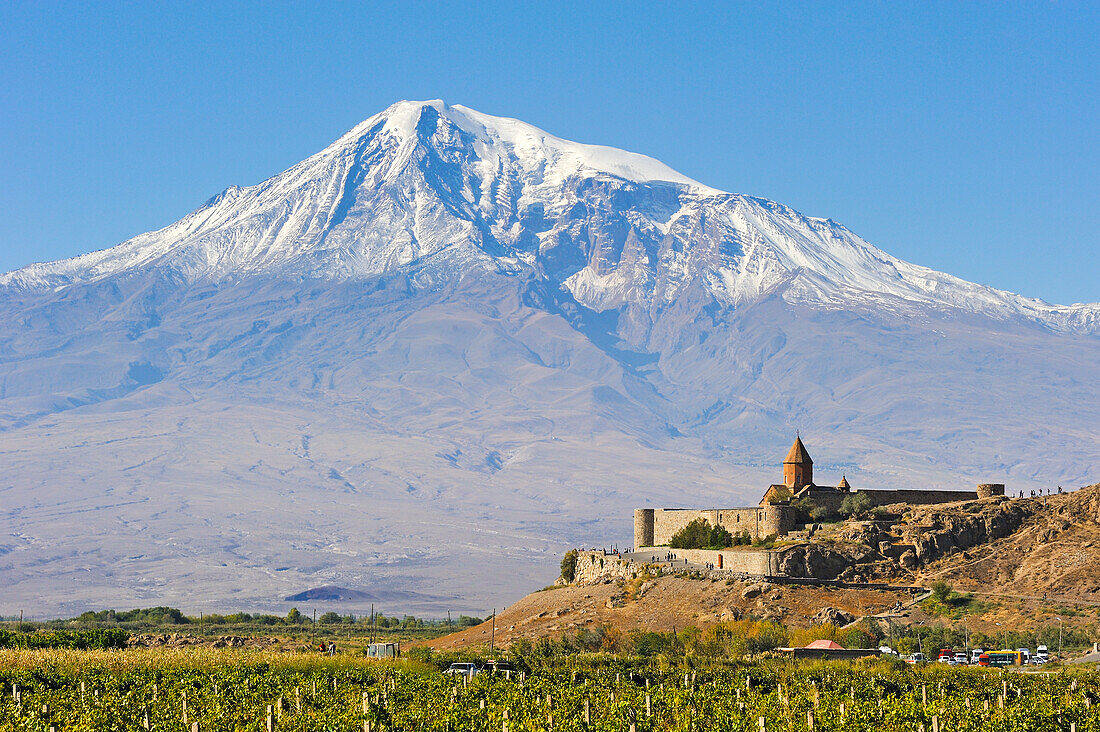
[524, 142]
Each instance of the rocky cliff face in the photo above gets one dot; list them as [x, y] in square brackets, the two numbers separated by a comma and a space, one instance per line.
[997, 538]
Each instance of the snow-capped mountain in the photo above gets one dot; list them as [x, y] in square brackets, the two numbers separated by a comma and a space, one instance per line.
[448, 190]
[450, 344]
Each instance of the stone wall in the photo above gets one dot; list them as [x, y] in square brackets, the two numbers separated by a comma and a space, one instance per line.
[831, 499]
[756, 562]
[654, 527]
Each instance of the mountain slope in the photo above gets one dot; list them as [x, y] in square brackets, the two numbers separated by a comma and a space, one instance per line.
[451, 344]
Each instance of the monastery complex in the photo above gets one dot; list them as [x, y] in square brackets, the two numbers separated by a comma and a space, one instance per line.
[782, 508]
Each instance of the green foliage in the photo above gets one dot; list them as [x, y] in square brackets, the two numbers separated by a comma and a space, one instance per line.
[699, 534]
[99, 638]
[941, 591]
[569, 565]
[855, 505]
[684, 693]
[152, 616]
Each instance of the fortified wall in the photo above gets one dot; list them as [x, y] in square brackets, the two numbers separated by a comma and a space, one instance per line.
[656, 526]
[781, 509]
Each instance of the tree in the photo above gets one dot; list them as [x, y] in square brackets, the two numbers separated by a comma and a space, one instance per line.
[855, 504]
[569, 565]
[294, 617]
[329, 617]
[699, 534]
[941, 590]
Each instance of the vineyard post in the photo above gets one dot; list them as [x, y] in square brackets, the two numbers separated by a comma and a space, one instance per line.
[270, 719]
[648, 709]
[587, 717]
[935, 723]
[183, 697]
[365, 705]
[810, 720]
[298, 699]
[145, 719]
[194, 727]
[763, 728]
[924, 694]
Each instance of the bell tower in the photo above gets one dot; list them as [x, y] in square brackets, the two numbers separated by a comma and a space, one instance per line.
[798, 468]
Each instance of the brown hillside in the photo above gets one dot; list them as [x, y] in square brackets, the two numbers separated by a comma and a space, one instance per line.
[665, 603]
[1027, 556]
[1053, 553]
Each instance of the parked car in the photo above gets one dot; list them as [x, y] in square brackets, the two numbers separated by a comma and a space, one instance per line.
[469, 670]
[499, 667]
[1043, 653]
[960, 658]
[915, 658]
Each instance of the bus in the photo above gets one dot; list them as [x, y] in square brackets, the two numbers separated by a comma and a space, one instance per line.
[1001, 658]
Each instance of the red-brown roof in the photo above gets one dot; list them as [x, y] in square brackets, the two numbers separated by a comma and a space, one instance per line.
[826, 644]
[798, 453]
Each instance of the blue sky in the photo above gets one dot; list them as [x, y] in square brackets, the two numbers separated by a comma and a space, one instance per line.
[961, 136]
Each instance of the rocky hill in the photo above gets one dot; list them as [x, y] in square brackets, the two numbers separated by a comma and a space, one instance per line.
[1029, 557]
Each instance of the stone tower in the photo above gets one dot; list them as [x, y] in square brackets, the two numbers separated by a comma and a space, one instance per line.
[798, 468]
[643, 527]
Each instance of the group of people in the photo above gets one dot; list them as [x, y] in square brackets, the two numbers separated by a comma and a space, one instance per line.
[329, 648]
[1043, 492]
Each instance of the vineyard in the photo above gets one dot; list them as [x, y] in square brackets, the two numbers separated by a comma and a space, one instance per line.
[208, 690]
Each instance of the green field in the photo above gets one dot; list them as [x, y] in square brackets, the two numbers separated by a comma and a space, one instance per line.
[234, 690]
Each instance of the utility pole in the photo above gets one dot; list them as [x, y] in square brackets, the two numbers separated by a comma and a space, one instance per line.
[448, 621]
[493, 636]
[314, 629]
